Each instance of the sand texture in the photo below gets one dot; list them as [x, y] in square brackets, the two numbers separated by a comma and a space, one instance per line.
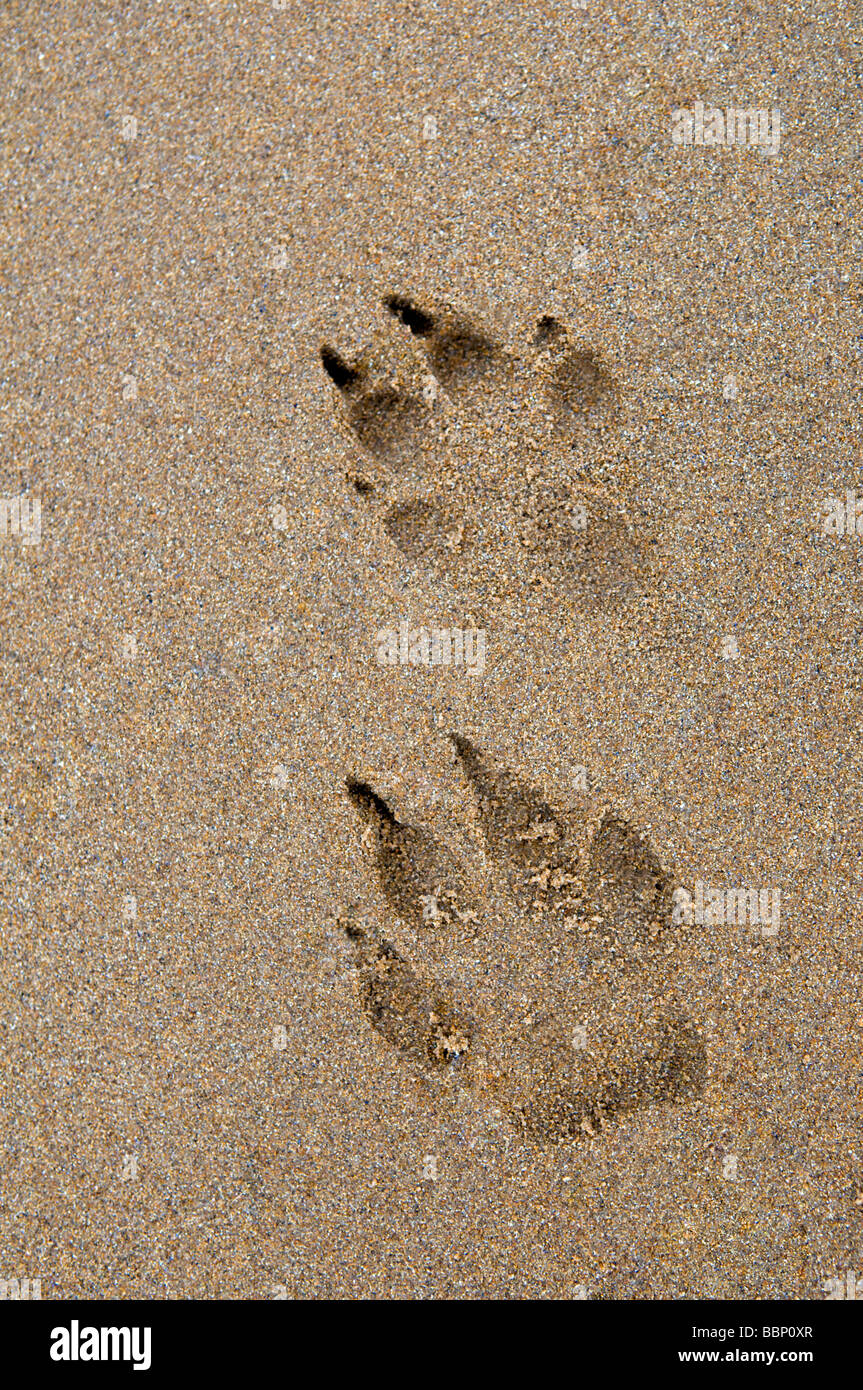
[435, 599]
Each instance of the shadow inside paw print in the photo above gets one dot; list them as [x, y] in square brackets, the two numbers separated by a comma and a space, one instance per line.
[458, 351]
[580, 1021]
[384, 418]
[576, 380]
[467, 479]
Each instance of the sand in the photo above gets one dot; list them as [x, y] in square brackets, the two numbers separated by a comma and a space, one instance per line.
[196, 1102]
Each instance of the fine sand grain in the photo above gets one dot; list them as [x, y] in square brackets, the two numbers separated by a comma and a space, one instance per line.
[337, 974]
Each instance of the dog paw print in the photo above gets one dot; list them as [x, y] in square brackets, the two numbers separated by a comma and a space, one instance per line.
[544, 978]
[476, 456]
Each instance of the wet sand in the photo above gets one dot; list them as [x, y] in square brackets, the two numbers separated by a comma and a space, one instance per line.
[196, 1104]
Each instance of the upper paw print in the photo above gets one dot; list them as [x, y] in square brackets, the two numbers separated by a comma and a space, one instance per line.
[477, 455]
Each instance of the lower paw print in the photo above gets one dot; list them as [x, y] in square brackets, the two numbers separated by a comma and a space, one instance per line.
[545, 980]
[477, 456]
